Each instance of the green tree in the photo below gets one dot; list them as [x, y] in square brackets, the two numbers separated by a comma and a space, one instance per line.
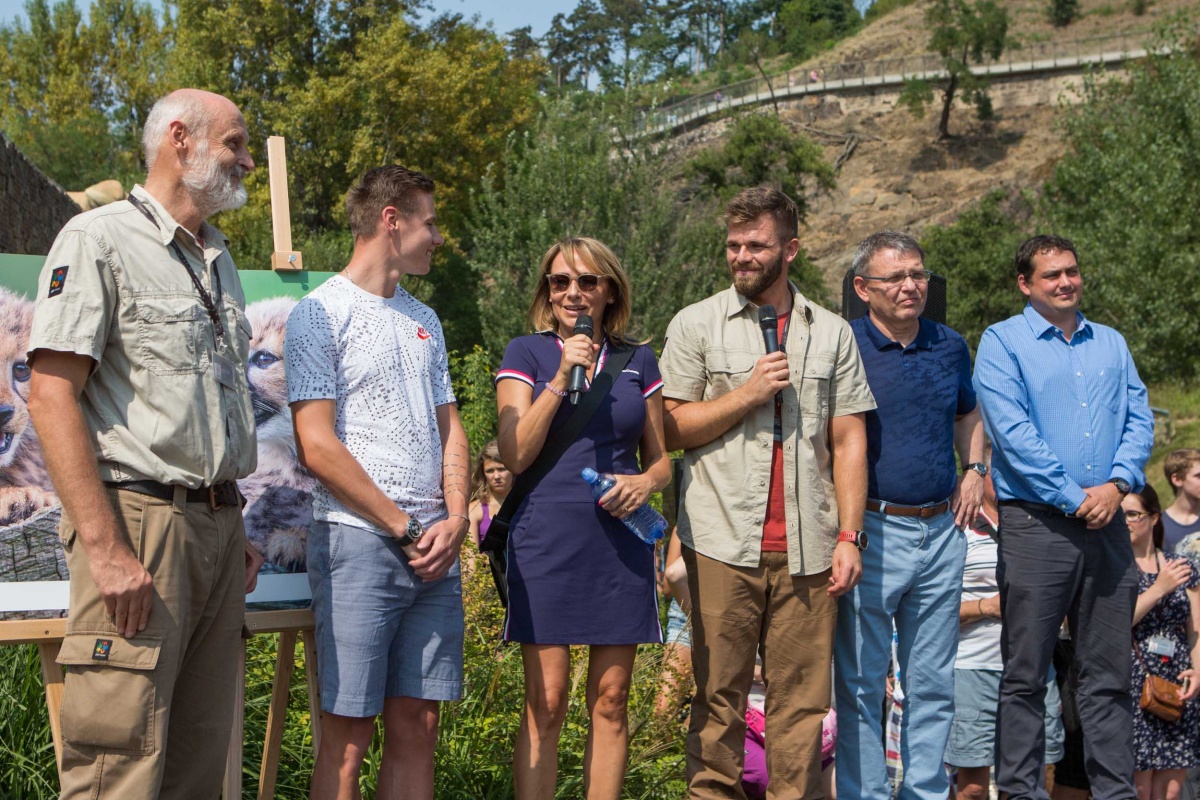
[962, 33]
[1125, 193]
[975, 254]
[1063, 12]
[809, 26]
[761, 149]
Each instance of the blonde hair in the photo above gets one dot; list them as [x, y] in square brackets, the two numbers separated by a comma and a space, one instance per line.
[479, 485]
[598, 257]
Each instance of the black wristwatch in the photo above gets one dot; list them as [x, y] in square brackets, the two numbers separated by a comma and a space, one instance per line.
[977, 466]
[1122, 485]
[412, 532]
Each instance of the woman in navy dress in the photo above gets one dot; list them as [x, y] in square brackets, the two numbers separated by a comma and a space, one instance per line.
[576, 574]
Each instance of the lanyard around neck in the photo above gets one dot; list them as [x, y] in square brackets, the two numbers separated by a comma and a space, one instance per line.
[205, 298]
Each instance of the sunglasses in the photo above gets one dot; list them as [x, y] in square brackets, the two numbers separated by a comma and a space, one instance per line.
[561, 281]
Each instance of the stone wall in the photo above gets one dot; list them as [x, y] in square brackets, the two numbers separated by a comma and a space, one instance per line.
[32, 207]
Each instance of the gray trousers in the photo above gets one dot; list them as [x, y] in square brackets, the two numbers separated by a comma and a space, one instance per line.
[1053, 567]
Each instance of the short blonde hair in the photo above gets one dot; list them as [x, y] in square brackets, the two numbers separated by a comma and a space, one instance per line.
[598, 257]
[1178, 463]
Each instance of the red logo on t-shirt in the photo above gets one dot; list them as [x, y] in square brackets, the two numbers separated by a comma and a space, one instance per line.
[423, 334]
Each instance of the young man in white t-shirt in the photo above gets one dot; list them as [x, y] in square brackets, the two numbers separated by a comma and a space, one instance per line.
[369, 387]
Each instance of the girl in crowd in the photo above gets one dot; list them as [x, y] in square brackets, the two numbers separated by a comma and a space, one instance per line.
[1165, 624]
[576, 574]
[491, 481]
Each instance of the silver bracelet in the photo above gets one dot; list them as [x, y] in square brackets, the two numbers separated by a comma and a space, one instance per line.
[461, 516]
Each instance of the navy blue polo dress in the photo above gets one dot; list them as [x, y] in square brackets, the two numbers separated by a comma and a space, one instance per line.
[576, 574]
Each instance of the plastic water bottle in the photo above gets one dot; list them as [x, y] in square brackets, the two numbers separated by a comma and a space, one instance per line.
[647, 523]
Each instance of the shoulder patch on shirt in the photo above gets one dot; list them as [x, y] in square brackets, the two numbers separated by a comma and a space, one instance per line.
[58, 279]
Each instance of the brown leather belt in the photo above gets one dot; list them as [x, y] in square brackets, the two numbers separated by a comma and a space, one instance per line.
[924, 512]
[219, 494]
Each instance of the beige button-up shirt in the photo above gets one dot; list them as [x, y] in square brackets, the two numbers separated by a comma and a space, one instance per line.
[710, 350]
[113, 289]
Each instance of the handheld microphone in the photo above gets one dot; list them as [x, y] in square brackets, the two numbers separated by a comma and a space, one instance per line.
[770, 328]
[583, 324]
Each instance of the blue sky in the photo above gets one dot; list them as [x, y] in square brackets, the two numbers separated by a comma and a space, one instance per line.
[504, 15]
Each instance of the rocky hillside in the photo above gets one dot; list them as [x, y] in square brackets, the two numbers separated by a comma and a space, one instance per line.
[896, 176]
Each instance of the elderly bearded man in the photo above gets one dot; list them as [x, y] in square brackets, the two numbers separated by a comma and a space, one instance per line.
[140, 399]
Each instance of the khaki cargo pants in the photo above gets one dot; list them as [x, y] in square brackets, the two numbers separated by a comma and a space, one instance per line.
[151, 716]
[737, 611]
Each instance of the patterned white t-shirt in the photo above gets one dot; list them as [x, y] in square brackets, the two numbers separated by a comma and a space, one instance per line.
[384, 362]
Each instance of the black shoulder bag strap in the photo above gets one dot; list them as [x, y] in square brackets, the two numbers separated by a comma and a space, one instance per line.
[496, 539]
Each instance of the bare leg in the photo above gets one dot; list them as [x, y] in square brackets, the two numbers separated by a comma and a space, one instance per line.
[1143, 781]
[675, 679]
[547, 683]
[409, 739]
[610, 669]
[1168, 784]
[344, 743]
[973, 783]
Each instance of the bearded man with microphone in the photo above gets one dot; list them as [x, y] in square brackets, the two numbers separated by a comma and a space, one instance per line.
[775, 480]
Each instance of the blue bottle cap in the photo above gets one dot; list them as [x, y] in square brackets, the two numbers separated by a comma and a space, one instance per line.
[590, 475]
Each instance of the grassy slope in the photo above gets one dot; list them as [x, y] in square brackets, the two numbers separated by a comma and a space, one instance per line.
[1184, 405]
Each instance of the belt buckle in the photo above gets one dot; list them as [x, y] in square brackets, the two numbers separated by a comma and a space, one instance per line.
[212, 498]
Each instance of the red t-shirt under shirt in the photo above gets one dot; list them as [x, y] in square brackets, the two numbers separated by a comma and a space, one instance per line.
[774, 538]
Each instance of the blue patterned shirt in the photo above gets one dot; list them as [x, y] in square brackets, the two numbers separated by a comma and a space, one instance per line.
[1062, 415]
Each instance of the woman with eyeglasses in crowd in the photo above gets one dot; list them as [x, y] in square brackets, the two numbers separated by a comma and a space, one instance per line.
[576, 574]
[1165, 625]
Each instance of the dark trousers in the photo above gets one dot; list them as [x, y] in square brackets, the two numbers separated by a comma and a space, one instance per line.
[1053, 567]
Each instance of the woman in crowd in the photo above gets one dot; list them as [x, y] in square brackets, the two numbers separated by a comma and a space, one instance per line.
[1165, 624]
[978, 665]
[576, 574]
[490, 483]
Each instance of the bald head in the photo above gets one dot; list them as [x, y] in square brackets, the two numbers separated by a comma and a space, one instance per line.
[194, 109]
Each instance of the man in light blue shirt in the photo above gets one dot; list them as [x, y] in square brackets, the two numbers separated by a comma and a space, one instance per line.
[1072, 430]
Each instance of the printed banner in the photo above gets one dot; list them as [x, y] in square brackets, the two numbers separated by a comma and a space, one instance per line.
[33, 574]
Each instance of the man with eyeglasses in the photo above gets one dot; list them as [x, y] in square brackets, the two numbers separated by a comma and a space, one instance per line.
[920, 374]
[1071, 430]
[774, 482]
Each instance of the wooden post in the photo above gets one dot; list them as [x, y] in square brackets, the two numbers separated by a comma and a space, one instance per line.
[232, 789]
[285, 663]
[284, 257]
[314, 688]
[52, 678]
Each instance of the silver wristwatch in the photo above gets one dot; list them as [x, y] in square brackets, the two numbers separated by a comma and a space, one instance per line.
[977, 466]
[412, 532]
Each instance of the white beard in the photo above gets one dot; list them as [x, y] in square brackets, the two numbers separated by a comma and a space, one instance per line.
[212, 189]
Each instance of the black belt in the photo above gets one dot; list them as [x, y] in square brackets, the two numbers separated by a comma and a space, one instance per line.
[924, 512]
[219, 494]
[1045, 509]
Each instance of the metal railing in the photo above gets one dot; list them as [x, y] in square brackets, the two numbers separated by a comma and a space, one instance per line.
[821, 78]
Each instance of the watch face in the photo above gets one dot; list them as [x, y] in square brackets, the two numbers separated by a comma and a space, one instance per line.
[413, 530]
[862, 540]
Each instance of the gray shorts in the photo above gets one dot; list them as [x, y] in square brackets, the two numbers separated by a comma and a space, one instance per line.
[973, 732]
[381, 630]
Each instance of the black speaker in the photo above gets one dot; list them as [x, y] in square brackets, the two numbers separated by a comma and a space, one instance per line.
[935, 300]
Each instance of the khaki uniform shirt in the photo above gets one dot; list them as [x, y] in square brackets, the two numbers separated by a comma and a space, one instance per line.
[710, 350]
[113, 290]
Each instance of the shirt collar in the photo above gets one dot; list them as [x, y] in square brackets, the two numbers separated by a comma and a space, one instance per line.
[168, 228]
[735, 303]
[928, 334]
[1043, 329]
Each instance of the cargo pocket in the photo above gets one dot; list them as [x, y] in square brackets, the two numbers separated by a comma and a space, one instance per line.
[108, 701]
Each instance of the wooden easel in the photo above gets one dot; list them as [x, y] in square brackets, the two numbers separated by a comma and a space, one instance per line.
[290, 625]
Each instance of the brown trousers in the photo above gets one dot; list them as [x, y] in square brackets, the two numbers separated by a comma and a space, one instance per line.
[150, 716]
[737, 611]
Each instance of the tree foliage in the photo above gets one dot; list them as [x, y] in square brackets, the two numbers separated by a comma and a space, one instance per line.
[975, 255]
[962, 32]
[1063, 12]
[1126, 195]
